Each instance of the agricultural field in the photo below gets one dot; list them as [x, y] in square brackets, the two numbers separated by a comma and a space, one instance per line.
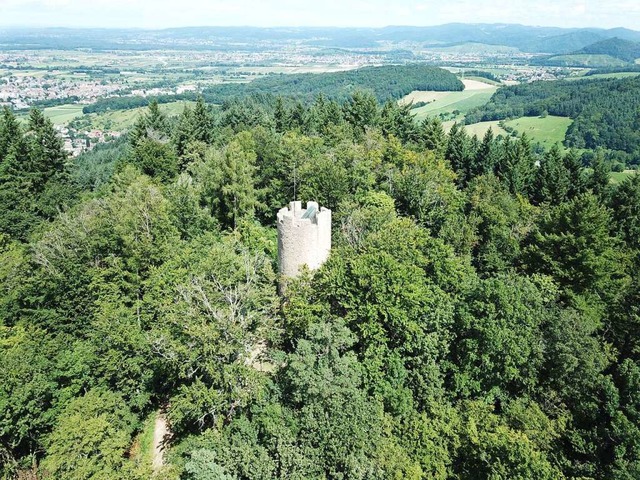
[479, 129]
[475, 94]
[428, 97]
[483, 80]
[117, 120]
[63, 114]
[547, 130]
[586, 60]
[120, 120]
[605, 75]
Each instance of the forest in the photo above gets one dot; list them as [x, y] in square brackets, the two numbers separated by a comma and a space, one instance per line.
[616, 47]
[478, 317]
[391, 82]
[605, 111]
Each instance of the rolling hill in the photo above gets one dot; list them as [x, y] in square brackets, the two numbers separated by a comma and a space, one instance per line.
[615, 47]
[606, 53]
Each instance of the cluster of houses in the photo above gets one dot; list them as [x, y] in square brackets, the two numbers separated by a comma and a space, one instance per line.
[20, 92]
[76, 142]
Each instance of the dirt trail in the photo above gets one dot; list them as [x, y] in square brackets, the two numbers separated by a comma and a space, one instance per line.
[161, 435]
[256, 358]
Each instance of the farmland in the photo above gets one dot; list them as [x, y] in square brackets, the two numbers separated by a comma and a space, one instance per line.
[547, 131]
[120, 120]
[63, 114]
[454, 104]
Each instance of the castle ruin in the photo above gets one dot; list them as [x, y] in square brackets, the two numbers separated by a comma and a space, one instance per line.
[304, 237]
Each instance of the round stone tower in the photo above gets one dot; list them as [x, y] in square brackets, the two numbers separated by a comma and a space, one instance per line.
[304, 237]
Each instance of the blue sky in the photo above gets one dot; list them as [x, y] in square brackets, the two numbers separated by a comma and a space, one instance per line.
[176, 13]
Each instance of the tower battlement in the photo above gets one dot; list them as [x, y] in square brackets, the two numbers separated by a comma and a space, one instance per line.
[304, 237]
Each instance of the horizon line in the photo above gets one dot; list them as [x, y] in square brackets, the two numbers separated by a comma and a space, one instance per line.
[316, 27]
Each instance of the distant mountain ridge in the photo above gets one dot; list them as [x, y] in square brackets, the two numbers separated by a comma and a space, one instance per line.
[549, 40]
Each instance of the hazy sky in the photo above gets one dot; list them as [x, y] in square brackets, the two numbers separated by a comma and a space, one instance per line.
[176, 13]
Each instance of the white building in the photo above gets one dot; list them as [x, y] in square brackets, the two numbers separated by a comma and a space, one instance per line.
[304, 237]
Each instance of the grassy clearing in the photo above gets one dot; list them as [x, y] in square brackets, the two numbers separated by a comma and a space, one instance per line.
[422, 96]
[619, 177]
[477, 83]
[455, 101]
[606, 75]
[586, 60]
[62, 114]
[120, 120]
[485, 80]
[548, 130]
[479, 129]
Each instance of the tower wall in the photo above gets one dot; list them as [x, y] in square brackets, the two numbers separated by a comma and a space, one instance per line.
[304, 237]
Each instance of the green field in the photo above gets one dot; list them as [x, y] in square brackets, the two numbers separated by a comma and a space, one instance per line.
[120, 120]
[619, 177]
[586, 60]
[485, 80]
[63, 113]
[461, 101]
[605, 75]
[548, 130]
[478, 129]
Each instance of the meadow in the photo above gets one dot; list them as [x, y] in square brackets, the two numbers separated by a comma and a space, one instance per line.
[120, 120]
[547, 130]
[619, 177]
[605, 75]
[474, 95]
[63, 114]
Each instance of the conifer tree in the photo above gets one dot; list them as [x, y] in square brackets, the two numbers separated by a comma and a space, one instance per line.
[552, 178]
[184, 132]
[575, 174]
[156, 121]
[9, 131]
[281, 116]
[361, 111]
[432, 137]
[232, 183]
[486, 156]
[47, 156]
[202, 123]
[297, 117]
[459, 152]
[600, 176]
[516, 167]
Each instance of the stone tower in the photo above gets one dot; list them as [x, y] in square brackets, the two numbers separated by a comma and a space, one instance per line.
[304, 237]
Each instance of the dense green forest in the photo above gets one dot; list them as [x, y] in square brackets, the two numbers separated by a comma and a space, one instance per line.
[616, 47]
[606, 112]
[477, 319]
[390, 82]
